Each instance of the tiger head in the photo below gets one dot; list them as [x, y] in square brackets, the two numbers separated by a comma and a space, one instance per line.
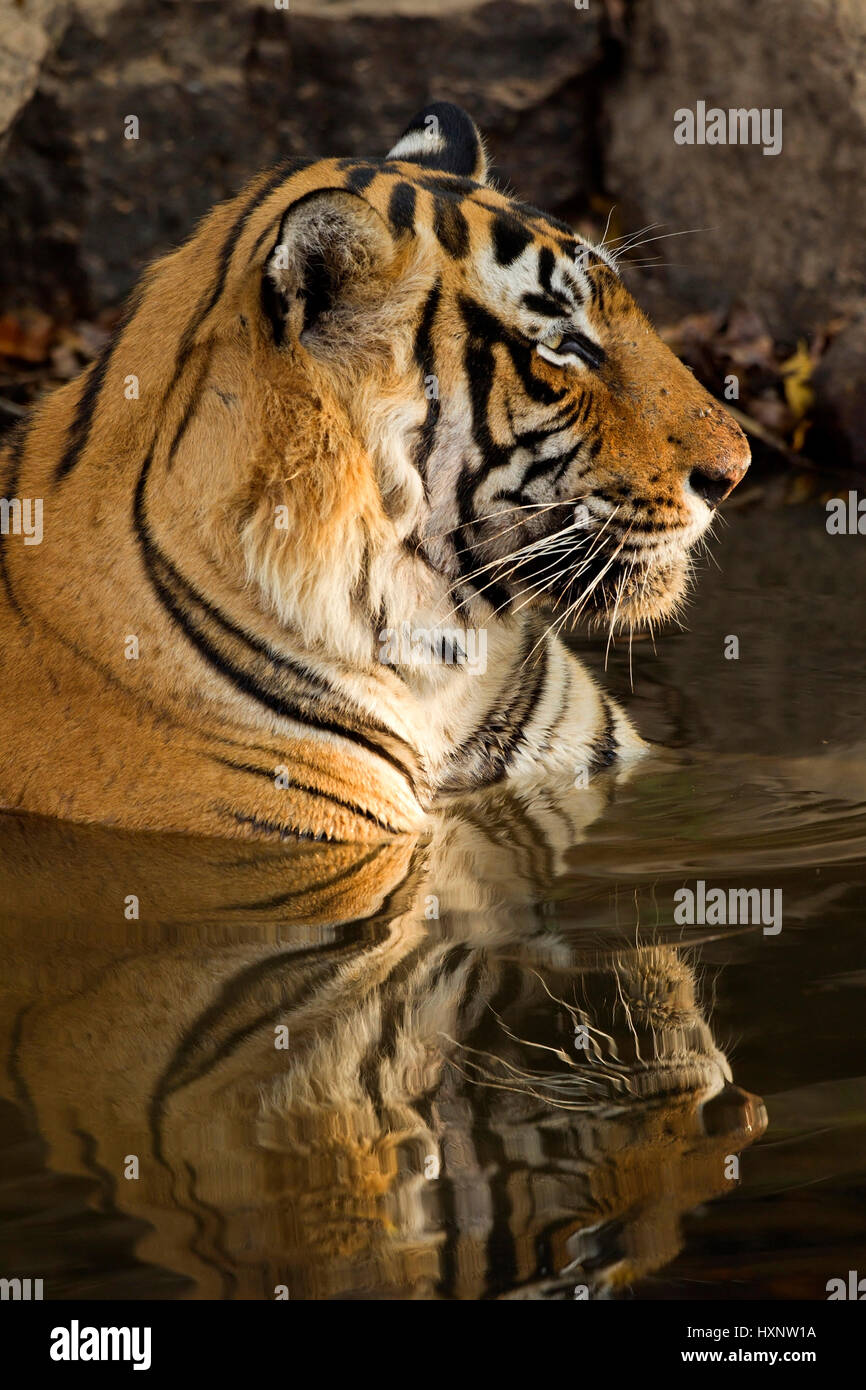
[456, 401]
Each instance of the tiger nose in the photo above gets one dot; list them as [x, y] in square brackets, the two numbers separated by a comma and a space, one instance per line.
[734, 1110]
[713, 481]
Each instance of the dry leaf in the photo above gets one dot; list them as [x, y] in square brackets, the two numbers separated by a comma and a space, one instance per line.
[26, 337]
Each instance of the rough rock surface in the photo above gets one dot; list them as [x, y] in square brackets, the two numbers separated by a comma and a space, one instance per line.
[223, 90]
[785, 231]
[576, 105]
[23, 45]
[840, 387]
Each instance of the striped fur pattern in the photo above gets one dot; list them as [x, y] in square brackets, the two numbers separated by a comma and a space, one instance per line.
[369, 402]
[431, 1129]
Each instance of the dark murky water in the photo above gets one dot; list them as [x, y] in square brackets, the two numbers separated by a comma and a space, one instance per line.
[490, 1064]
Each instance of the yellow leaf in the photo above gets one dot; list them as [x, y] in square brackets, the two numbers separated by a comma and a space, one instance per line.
[796, 375]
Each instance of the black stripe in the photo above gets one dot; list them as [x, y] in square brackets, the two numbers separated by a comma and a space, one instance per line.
[571, 284]
[444, 185]
[504, 726]
[297, 166]
[480, 367]
[425, 356]
[209, 300]
[536, 223]
[556, 465]
[449, 964]
[319, 887]
[500, 1248]
[511, 986]
[521, 709]
[480, 371]
[267, 685]
[530, 440]
[360, 178]
[401, 208]
[598, 274]
[82, 424]
[546, 266]
[269, 773]
[254, 998]
[82, 421]
[485, 327]
[270, 226]
[563, 418]
[274, 305]
[510, 238]
[542, 746]
[543, 304]
[393, 1007]
[383, 1047]
[605, 746]
[16, 455]
[547, 221]
[451, 228]
[192, 405]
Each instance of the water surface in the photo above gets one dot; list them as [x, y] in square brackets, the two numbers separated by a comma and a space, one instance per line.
[489, 1063]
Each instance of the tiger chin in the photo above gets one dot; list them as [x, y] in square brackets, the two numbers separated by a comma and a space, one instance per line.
[367, 397]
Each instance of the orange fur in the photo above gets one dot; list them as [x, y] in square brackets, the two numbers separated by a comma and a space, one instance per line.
[236, 485]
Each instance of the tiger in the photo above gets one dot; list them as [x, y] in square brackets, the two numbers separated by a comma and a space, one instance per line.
[314, 520]
[345, 1070]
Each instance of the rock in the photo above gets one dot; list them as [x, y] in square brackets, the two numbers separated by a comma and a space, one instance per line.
[222, 91]
[839, 431]
[23, 45]
[784, 233]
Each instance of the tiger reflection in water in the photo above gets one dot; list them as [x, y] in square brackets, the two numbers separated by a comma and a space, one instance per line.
[433, 1128]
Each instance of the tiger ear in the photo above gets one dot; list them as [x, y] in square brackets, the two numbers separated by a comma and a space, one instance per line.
[329, 246]
[442, 136]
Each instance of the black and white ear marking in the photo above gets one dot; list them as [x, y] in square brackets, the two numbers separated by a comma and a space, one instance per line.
[329, 240]
[443, 137]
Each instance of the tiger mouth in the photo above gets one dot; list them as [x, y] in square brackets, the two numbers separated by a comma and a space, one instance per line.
[616, 593]
[643, 592]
